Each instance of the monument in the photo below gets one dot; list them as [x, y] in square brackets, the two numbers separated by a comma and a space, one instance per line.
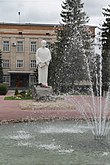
[43, 57]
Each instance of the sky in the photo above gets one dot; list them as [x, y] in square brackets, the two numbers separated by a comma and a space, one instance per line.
[46, 11]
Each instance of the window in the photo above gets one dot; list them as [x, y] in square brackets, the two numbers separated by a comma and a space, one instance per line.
[6, 79]
[33, 63]
[19, 47]
[19, 64]
[5, 63]
[6, 46]
[33, 47]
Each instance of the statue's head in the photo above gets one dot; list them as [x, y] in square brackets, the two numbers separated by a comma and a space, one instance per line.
[43, 43]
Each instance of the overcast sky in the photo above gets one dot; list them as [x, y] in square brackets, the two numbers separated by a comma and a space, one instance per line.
[46, 11]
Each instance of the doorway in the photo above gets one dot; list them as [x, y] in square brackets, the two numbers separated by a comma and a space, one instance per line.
[19, 80]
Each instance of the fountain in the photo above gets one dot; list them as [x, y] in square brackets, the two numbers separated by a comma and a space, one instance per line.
[100, 106]
[95, 108]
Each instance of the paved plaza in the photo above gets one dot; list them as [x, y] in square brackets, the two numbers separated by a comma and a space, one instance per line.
[11, 111]
[30, 110]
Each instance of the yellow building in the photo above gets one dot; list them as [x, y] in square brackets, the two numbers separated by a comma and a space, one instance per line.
[18, 43]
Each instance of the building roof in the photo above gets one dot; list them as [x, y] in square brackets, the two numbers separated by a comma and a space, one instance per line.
[27, 24]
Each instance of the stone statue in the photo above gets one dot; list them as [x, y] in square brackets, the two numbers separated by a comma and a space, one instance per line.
[43, 57]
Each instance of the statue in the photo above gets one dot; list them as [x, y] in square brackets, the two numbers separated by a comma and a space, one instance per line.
[43, 57]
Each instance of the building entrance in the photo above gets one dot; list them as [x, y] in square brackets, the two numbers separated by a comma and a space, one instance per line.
[19, 80]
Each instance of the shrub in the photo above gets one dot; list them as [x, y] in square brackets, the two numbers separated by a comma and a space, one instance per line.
[16, 92]
[22, 93]
[29, 93]
[3, 89]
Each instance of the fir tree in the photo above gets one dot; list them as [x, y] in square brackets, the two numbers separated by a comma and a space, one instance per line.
[68, 53]
[1, 69]
[106, 48]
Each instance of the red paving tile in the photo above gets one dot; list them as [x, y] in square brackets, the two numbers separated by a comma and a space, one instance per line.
[10, 111]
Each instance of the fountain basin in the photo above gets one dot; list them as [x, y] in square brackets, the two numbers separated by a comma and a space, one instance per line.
[53, 142]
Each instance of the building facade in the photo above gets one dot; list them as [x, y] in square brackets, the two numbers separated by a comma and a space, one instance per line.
[18, 43]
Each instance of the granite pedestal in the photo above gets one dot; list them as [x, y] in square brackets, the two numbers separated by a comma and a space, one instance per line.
[42, 93]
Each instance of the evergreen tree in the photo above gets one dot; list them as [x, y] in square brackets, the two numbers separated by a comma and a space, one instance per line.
[1, 69]
[68, 52]
[106, 48]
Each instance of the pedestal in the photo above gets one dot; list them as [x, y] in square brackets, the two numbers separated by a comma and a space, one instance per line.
[41, 93]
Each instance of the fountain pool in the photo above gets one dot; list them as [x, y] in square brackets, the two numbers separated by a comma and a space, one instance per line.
[51, 143]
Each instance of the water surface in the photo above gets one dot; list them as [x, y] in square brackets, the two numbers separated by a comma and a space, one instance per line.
[51, 143]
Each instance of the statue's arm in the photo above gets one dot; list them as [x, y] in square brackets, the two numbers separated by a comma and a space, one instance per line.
[38, 60]
[47, 61]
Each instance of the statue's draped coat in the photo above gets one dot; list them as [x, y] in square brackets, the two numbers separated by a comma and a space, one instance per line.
[43, 57]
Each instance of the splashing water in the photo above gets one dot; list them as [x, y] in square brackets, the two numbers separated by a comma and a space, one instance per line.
[94, 108]
[99, 109]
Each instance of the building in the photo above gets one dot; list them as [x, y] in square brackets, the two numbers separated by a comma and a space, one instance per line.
[18, 43]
